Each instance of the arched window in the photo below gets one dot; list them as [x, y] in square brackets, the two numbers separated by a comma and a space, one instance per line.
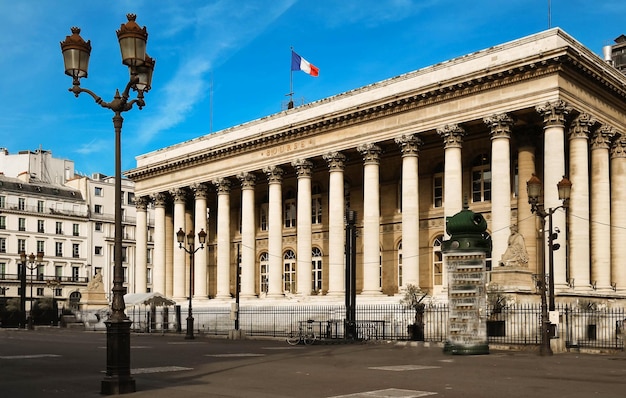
[264, 262]
[481, 178]
[289, 272]
[400, 265]
[437, 261]
[75, 300]
[317, 270]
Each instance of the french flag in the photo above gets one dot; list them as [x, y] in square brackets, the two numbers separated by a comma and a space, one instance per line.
[299, 63]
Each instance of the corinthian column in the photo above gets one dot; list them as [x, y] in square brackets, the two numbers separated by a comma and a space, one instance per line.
[578, 212]
[371, 219]
[200, 281]
[554, 114]
[453, 168]
[275, 233]
[600, 208]
[141, 256]
[180, 196]
[526, 222]
[223, 237]
[618, 213]
[410, 147]
[500, 126]
[336, 236]
[158, 272]
[248, 228]
[304, 236]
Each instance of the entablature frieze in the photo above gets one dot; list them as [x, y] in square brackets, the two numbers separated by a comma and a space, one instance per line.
[293, 135]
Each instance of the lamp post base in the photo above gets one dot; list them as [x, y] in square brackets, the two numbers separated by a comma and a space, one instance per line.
[118, 379]
[189, 335]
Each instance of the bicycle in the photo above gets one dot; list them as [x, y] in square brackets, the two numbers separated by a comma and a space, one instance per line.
[306, 337]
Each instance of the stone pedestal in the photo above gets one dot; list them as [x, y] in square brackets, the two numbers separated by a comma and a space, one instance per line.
[511, 277]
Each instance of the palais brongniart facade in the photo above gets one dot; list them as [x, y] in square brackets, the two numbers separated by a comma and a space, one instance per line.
[404, 153]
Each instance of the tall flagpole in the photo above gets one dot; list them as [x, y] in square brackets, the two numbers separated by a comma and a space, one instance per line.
[290, 104]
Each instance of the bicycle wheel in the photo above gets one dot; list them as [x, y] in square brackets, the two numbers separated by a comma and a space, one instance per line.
[293, 339]
[309, 338]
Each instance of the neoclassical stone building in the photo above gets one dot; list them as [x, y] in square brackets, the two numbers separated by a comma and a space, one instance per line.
[404, 153]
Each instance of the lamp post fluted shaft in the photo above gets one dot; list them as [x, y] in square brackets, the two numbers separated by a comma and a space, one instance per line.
[76, 51]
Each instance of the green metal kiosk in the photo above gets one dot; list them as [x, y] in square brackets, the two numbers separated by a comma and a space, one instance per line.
[464, 255]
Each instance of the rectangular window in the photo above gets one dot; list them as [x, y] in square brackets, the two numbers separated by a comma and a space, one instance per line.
[481, 185]
[41, 246]
[40, 291]
[58, 249]
[438, 190]
[290, 213]
[41, 226]
[98, 227]
[21, 245]
[263, 216]
[149, 256]
[3, 202]
[21, 204]
[75, 250]
[130, 198]
[3, 270]
[21, 222]
[40, 271]
[149, 276]
[316, 210]
[3, 245]
[97, 250]
[75, 274]
[58, 272]
[75, 230]
[97, 209]
[97, 191]
[3, 222]
[58, 292]
[59, 228]
[40, 205]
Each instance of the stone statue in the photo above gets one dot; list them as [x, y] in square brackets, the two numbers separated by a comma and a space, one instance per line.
[515, 254]
[95, 284]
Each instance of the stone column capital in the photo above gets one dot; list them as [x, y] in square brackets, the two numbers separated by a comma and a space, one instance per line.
[452, 135]
[247, 179]
[371, 153]
[500, 125]
[581, 126]
[304, 167]
[409, 144]
[554, 113]
[179, 194]
[141, 203]
[223, 185]
[336, 160]
[159, 199]
[274, 174]
[601, 138]
[618, 149]
[200, 190]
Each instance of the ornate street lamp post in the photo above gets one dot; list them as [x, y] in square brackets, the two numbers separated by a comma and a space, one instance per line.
[180, 236]
[534, 188]
[34, 262]
[132, 39]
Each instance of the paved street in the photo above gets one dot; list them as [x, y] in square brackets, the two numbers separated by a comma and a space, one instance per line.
[55, 362]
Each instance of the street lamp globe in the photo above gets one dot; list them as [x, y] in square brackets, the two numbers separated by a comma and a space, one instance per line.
[565, 189]
[76, 53]
[132, 38]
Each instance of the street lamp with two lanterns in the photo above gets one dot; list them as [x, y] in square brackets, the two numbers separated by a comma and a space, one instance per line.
[534, 187]
[180, 237]
[76, 51]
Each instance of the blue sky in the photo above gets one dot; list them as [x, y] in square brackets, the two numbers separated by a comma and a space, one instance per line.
[231, 59]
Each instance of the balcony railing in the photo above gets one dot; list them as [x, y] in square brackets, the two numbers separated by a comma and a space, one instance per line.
[45, 278]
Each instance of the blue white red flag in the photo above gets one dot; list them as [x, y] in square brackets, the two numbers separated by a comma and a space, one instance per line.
[299, 63]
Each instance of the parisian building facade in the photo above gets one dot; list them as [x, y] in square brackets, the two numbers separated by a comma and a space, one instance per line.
[405, 154]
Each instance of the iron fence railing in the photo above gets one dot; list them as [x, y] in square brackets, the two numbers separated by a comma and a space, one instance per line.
[512, 325]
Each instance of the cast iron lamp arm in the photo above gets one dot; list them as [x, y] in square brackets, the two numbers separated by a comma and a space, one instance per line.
[120, 102]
